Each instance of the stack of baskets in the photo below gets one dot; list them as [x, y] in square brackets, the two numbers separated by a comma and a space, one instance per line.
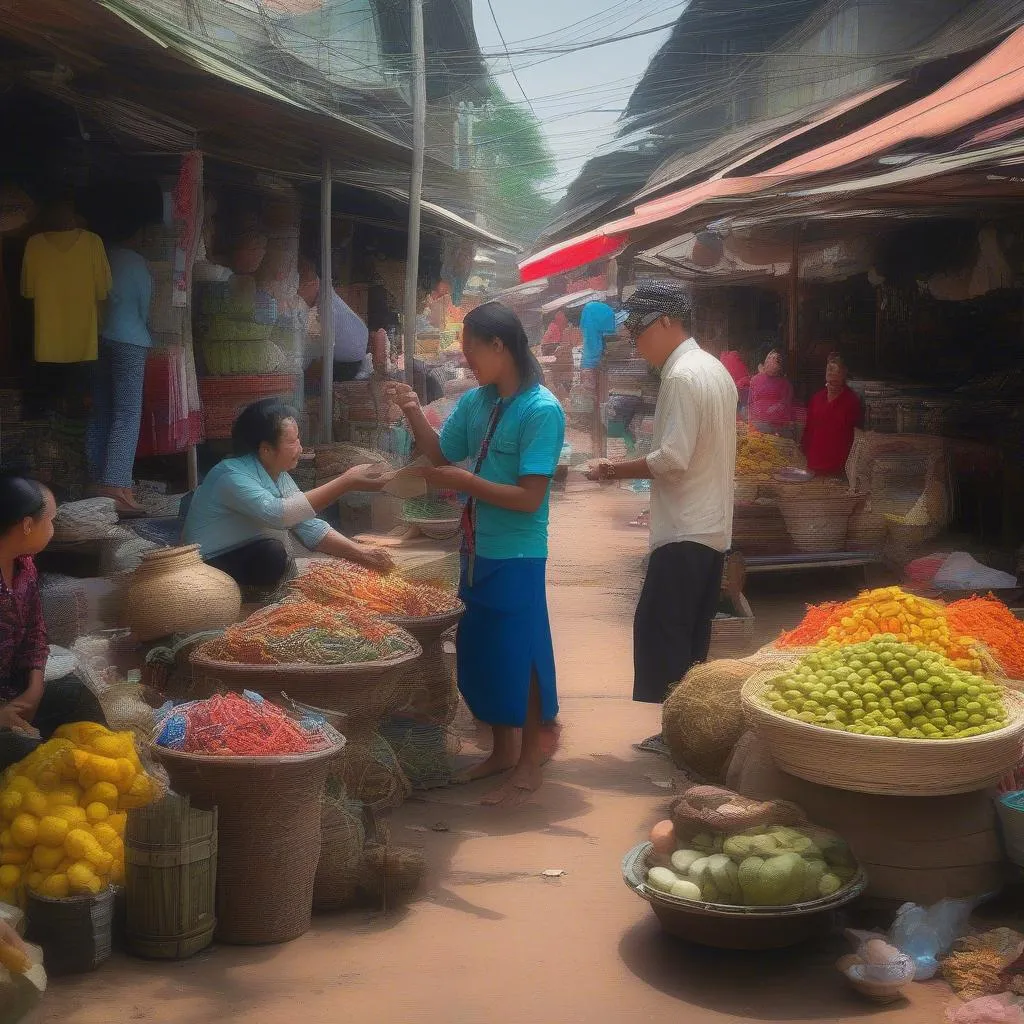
[817, 514]
[224, 398]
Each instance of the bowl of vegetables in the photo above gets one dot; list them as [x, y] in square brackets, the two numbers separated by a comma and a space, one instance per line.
[766, 888]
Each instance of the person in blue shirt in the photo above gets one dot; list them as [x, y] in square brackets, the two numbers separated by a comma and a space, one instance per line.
[120, 371]
[510, 432]
[245, 504]
[597, 319]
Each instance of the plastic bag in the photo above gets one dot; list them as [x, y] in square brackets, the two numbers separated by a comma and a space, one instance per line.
[962, 572]
[926, 934]
[877, 969]
[987, 1010]
[21, 985]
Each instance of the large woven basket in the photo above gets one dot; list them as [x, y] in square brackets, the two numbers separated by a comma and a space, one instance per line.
[360, 690]
[268, 836]
[885, 765]
[818, 523]
[434, 698]
[726, 927]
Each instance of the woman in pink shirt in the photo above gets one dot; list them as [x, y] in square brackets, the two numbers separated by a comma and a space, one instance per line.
[770, 407]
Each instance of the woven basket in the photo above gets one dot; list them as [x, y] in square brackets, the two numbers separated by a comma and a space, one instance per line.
[729, 927]
[268, 836]
[76, 933]
[746, 491]
[434, 697]
[818, 523]
[885, 764]
[364, 691]
[223, 398]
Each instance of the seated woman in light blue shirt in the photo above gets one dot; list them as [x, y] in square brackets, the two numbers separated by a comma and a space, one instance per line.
[118, 377]
[510, 430]
[245, 504]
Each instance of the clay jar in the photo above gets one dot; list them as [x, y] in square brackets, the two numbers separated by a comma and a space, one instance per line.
[174, 591]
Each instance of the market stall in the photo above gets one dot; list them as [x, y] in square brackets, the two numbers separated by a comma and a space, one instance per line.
[867, 753]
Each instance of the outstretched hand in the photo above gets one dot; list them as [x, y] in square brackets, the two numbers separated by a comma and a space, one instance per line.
[402, 395]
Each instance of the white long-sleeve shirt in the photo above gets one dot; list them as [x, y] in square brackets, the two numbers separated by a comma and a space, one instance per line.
[693, 463]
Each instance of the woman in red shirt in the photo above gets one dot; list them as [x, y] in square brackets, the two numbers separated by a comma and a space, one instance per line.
[832, 417]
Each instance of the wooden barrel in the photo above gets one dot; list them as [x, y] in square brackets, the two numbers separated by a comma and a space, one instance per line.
[75, 932]
[170, 879]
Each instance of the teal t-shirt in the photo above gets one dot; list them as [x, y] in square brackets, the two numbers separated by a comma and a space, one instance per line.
[527, 442]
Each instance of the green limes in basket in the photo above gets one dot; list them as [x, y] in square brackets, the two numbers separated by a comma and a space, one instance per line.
[885, 687]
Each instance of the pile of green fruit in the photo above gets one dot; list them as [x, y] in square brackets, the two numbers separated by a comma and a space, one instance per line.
[765, 867]
[883, 687]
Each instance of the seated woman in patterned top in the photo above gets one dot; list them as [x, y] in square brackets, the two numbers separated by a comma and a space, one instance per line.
[31, 710]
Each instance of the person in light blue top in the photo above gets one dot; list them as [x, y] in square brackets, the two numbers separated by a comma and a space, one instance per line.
[597, 320]
[119, 376]
[510, 432]
[245, 505]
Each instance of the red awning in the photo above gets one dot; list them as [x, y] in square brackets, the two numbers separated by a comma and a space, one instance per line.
[993, 83]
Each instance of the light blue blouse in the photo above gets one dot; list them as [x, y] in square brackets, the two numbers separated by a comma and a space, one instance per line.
[238, 502]
[131, 292]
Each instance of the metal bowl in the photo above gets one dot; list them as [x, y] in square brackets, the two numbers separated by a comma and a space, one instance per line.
[792, 475]
[731, 927]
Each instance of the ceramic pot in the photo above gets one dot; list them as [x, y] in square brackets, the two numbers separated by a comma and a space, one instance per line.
[174, 591]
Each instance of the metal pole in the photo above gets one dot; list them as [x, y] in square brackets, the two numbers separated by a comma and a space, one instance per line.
[326, 306]
[419, 121]
[794, 302]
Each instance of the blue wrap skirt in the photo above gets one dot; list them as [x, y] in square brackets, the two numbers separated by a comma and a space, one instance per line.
[504, 639]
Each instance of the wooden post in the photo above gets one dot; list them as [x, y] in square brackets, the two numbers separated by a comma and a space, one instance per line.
[794, 303]
[419, 120]
[326, 305]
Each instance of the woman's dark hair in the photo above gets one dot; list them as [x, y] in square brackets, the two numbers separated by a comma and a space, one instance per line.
[493, 321]
[765, 351]
[20, 498]
[260, 423]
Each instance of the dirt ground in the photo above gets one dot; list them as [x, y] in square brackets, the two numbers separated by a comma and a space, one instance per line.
[491, 939]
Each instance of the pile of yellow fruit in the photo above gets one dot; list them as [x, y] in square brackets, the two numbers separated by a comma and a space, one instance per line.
[894, 612]
[62, 811]
[758, 454]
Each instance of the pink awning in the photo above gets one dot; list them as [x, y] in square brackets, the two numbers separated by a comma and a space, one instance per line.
[994, 82]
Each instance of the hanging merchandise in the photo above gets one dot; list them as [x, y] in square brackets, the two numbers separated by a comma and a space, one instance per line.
[66, 274]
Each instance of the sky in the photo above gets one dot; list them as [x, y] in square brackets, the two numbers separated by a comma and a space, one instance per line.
[577, 96]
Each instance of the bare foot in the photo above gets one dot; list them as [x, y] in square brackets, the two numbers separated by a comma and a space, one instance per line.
[494, 765]
[517, 790]
[550, 741]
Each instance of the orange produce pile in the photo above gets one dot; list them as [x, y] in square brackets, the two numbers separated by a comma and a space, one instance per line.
[990, 621]
[340, 584]
[890, 611]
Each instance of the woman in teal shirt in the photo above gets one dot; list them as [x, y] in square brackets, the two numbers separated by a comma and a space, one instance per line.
[510, 430]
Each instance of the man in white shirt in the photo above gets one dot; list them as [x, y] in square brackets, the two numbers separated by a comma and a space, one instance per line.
[691, 470]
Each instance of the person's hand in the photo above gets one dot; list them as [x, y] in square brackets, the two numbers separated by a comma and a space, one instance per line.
[376, 558]
[9, 937]
[12, 717]
[447, 478]
[402, 395]
[367, 477]
[600, 469]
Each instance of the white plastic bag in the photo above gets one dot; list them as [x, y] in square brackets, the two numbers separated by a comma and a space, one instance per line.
[962, 572]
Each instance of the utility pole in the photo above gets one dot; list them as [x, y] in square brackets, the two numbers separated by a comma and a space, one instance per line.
[326, 302]
[419, 124]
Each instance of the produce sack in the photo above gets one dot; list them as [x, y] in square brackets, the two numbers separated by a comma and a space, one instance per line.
[702, 718]
[764, 855]
[999, 1009]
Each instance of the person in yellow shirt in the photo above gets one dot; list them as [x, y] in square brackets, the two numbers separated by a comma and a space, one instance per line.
[66, 274]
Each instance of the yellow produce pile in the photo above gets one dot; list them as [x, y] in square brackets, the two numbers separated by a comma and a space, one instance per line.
[62, 810]
[884, 687]
[890, 611]
[758, 454]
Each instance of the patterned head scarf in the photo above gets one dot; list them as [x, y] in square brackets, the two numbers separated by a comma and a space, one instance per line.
[653, 299]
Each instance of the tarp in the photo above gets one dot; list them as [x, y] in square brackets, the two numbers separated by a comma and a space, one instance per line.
[993, 83]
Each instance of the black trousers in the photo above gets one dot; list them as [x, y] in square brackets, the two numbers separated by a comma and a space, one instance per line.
[672, 625]
[64, 702]
[260, 563]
